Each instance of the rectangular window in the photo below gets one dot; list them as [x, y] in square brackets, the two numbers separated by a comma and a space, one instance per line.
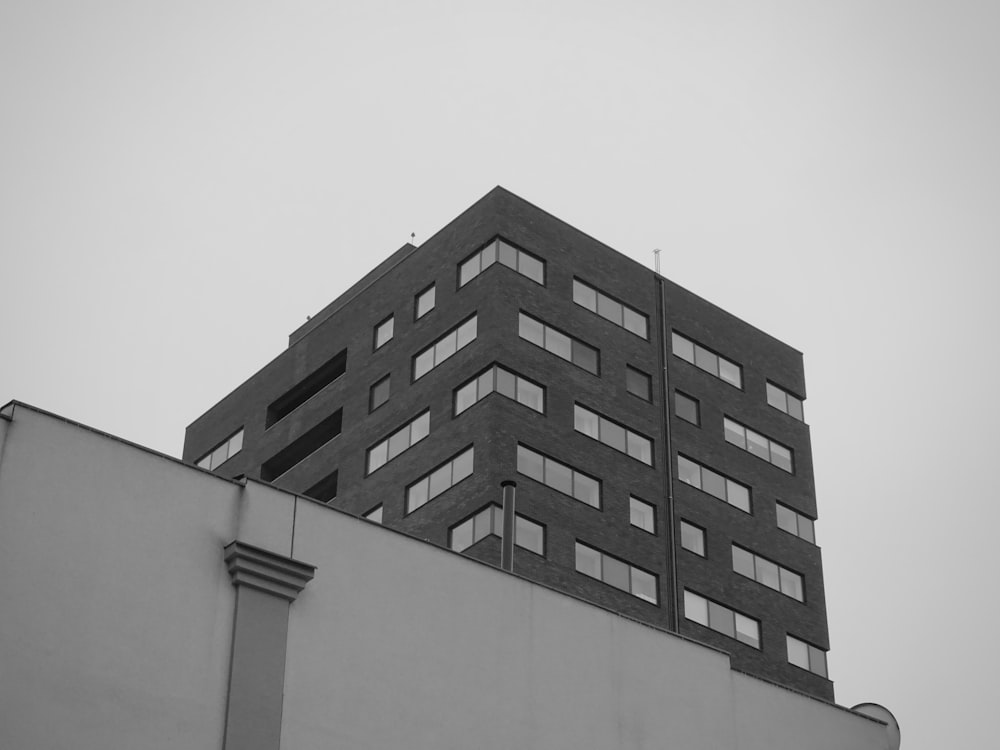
[408, 435]
[529, 535]
[611, 309]
[772, 575]
[618, 573]
[642, 514]
[806, 656]
[375, 514]
[721, 619]
[325, 489]
[687, 408]
[638, 383]
[551, 340]
[378, 394]
[795, 523]
[761, 446]
[482, 524]
[707, 360]
[498, 379]
[693, 538]
[612, 434]
[444, 477]
[559, 476]
[713, 483]
[784, 401]
[383, 332]
[305, 389]
[222, 452]
[489, 520]
[455, 340]
[424, 302]
[302, 447]
[500, 251]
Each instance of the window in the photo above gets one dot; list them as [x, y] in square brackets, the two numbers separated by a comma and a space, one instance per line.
[424, 302]
[708, 361]
[456, 339]
[614, 572]
[383, 332]
[757, 444]
[308, 387]
[222, 452]
[687, 408]
[558, 476]
[378, 394]
[772, 575]
[784, 401]
[500, 251]
[302, 447]
[489, 520]
[638, 383]
[325, 489]
[572, 350]
[375, 514]
[806, 656]
[612, 434]
[610, 309]
[409, 434]
[795, 523]
[641, 514]
[498, 379]
[693, 538]
[721, 619]
[529, 535]
[713, 483]
[444, 477]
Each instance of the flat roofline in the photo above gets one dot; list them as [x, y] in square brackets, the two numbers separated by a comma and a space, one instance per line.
[540, 584]
[656, 275]
[352, 292]
[399, 256]
[661, 278]
[383, 268]
[8, 413]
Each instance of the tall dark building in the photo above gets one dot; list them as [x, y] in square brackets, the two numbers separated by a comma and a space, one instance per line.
[662, 463]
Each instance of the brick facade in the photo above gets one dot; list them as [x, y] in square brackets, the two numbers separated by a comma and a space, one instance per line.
[497, 424]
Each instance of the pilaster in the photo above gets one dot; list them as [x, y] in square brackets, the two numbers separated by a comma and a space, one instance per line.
[266, 585]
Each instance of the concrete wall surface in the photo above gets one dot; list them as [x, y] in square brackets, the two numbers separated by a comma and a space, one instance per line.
[115, 606]
[397, 644]
[117, 612]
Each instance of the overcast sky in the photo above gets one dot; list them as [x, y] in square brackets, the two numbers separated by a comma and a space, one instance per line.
[182, 183]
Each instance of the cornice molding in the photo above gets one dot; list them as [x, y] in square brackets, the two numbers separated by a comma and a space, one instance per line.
[265, 571]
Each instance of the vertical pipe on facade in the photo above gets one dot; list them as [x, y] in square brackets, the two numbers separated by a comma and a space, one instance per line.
[507, 540]
[671, 538]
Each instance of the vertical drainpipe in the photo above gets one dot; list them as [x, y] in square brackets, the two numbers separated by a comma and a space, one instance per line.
[507, 540]
[673, 592]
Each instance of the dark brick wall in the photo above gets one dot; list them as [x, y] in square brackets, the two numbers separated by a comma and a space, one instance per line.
[496, 424]
[762, 358]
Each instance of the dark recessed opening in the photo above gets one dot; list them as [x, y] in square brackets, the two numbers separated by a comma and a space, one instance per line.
[307, 388]
[324, 490]
[303, 446]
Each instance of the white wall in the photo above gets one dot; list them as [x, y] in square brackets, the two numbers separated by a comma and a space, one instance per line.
[115, 605]
[399, 644]
[116, 616]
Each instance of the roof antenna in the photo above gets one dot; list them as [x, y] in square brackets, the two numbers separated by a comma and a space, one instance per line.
[656, 259]
[413, 236]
